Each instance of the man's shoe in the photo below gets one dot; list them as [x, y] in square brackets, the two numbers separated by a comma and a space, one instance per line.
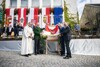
[69, 56]
[65, 57]
[35, 53]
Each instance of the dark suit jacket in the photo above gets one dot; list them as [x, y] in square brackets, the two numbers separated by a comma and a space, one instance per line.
[66, 33]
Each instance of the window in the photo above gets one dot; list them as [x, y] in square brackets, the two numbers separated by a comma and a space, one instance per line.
[57, 3]
[35, 3]
[24, 3]
[13, 3]
[46, 3]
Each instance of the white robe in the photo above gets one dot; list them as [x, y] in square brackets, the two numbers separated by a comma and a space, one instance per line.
[27, 43]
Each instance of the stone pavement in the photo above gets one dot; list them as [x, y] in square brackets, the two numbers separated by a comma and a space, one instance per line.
[14, 59]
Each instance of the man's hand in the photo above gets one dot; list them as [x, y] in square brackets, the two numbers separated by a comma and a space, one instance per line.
[59, 35]
[30, 37]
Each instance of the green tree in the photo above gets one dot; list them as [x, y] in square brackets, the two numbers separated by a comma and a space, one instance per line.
[1, 15]
[3, 10]
[67, 16]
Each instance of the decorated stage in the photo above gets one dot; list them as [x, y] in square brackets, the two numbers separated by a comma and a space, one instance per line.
[78, 46]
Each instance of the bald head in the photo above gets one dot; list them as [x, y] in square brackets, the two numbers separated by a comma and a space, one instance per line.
[66, 24]
[30, 24]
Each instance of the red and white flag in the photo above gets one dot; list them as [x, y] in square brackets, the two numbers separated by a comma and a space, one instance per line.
[45, 17]
[22, 16]
[33, 15]
[10, 16]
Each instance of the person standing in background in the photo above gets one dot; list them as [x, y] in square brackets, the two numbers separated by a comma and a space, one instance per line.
[77, 28]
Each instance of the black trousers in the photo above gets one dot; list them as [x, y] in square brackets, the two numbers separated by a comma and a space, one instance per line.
[37, 45]
[67, 47]
[62, 45]
[16, 32]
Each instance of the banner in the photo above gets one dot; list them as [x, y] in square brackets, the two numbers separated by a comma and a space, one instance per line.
[12, 16]
[33, 15]
[53, 30]
[22, 16]
[45, 16]
[7, 12]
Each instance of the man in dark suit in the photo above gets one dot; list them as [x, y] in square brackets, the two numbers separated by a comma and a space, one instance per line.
[65, 40]
[61, 28]
[67, 37]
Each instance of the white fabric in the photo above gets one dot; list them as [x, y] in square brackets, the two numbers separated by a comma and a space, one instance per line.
[31, 15]
[77, 46]
[22, 15]
[80, 6]
[12, 45]
[43, 14]
[27, 44]
[12, 16]
[52, 19]
[85, 46]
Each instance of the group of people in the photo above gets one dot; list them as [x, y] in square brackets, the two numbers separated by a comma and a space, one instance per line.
[9, 30]
[33, 31]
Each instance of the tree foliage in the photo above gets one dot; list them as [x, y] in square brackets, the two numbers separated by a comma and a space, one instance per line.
[67, 16]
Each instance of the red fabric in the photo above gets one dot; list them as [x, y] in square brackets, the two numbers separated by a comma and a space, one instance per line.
[19, 14]
[36, 12]
[53, 31]
[7, 12]
[48, 15]
[7, 15]
[47, 11]
[24, 15]
[36, 18]
[48, 18]
[47, 28]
